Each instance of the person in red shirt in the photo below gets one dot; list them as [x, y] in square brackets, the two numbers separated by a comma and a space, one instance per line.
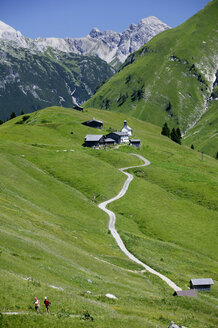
[47, 304]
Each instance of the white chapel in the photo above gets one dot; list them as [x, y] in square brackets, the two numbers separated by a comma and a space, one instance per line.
[126, 128]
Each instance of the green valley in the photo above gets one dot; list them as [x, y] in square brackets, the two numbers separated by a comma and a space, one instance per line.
[54, 240]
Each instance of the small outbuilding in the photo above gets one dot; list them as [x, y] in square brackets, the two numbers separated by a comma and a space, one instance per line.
[189, 293]
[126, 128]
[79, 108]
[94, 124]
[119, 137]
[93, 140]
[135, 143]
[201, 284]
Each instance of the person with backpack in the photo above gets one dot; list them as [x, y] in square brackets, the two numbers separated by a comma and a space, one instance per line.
[36, 303]
[47, 304]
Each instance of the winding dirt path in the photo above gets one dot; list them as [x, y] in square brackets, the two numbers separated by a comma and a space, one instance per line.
[114, 232]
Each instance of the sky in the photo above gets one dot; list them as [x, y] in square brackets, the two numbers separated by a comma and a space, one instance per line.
[76, 18]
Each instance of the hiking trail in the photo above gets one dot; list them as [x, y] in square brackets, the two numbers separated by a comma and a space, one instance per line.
[112, 222]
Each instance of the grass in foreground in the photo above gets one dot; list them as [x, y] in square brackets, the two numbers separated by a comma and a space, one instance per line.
[53, 233]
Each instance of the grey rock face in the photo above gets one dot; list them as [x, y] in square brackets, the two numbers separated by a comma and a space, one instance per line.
[110, 46]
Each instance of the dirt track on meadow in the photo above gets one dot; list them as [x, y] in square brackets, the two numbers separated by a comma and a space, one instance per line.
[114, 232]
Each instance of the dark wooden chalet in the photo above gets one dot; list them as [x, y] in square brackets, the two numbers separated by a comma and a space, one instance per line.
[93, 140]
[109, 142]
[201, 284]
[79, 108]
[135, 143]
[94, 123]
[189, 293]
[118, 137]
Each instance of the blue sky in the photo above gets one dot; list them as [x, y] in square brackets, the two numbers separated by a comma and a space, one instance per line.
[75, 18]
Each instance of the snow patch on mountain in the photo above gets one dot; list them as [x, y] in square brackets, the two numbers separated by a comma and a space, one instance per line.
[9, 33]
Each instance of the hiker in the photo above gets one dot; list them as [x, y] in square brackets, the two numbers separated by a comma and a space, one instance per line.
[47, 304]
[36, 302]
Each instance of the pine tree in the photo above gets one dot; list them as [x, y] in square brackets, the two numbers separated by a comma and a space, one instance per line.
[13, 115]
[165, 130]
[179, 136]
[176, 135]
[173, 135]
[22, 112]
[168, 108]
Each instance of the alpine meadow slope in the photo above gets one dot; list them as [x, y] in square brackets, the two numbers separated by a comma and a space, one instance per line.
[55, 241]
[204, 135]
[171, 79]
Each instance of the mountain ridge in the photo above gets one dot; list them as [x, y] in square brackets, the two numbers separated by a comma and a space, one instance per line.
[111, 46]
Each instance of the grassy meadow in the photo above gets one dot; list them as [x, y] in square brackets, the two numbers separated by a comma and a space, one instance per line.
[54, 240]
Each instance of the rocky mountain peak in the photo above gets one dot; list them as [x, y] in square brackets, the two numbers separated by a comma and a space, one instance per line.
[132, 27]
[95, 32]
[8, 32]
[109, 45]
[150, 20]
[5, 27]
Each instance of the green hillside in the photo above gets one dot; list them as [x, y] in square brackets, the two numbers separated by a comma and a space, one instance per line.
[54, 240]
[171, 78]
[204, 135]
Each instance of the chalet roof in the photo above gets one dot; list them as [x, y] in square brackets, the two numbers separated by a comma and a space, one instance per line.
[109, 140]
[204, 281]
[93, 120]
[127, 127]
[189, 292]
[121, 134]
[93, 137]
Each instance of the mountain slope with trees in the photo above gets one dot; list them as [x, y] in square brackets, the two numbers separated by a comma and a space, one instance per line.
[171, 79]
[31, 80]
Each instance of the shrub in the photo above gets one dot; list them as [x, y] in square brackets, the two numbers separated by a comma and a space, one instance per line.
[25, 117]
